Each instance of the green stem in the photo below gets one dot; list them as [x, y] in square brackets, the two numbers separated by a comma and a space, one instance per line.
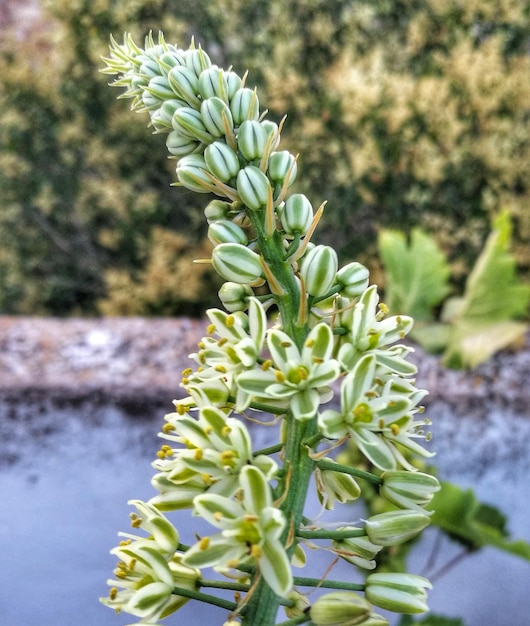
[263, 605]
[328, 584]
[270, 450]
[353, 471]
[221, 584]
[337, 535]
[205, 597]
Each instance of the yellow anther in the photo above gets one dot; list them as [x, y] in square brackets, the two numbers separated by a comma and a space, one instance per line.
[226, 431]
[218, 516]
[201, 345]
[256, 552]
[136, 523]
[232, 564]
[266, 365]
[317, 360]
[132, 564]
[395, 429]
[227, 455]
[220, 368]
[222, 342]
[181, 409]
[185, 381]
[160, 454]
[230, 321]
[381, 423]
[187, 372]
[125, 542]
[251, 518]
[204, 543]
[199, 454]
[207, 479]
[286, 344]
[210, 329]
[120, 574]
[208, 429]
[280, 377]
[310, 343]
[167, 428]
[113, 592]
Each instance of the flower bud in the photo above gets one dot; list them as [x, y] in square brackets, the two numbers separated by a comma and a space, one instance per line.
[353, 279]
[196, 60]
[222, 161]
[359, 551]
[188, 121]
[168, 108]
[159, 87]
[170, 59]
[300, 606]
[336, 486]
[395, 527]
[216, 116]
[236, 263]
[297, 214]
[185, 84]
[318, 269]
[244, 105]
[225, 231]
[192, 173]
[234, 83]
[213, 83]
[217, 210]
[150, 101]
[409, 490]
[252, 140]
[235, 297]
[180, 145]
[339, 608]
[401, 593]
[272, 129]
[148, 69]
[253, 187]
[281, 165]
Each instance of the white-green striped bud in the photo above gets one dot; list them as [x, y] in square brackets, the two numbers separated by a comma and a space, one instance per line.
[318, 270]
[234, 82]
[359, 551]
[180, 145]
[340, 608]
[216, 116]
[395, 527]
[188, 121]
[150, 101]
[167, 110]
[197, 60]
[401, 593]
[170, 59]
[222, 161]
[252, 140]
[300, 604]
[236, 263]
[212, 82]
[296, 215]
[159, 87]
[192, 173]
[225, 231]
[217, 210]
[282, 165]
[253, 187]
[244, 105]
[148, 69]
[235, 296]
[272, 129]
[185, 84]
[409, 490]
[353, 279]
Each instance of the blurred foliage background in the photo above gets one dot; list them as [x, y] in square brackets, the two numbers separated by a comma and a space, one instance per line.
[405, 114]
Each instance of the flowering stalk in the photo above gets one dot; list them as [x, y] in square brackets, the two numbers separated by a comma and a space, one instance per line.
[296, 329]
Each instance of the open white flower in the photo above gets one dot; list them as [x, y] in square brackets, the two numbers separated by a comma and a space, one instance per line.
[249, 532]
[300, 378]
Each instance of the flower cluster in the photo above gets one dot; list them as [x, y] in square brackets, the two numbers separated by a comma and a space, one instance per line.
[296, 329]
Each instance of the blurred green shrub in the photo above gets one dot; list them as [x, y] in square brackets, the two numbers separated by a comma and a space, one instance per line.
[407, 114]
[472, 326]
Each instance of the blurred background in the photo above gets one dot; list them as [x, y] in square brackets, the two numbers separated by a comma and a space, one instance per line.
[410, 114]
[404, 114]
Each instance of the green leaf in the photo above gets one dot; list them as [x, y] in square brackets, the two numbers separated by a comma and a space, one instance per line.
[459, 513]
[483, 320]
[416, 274]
